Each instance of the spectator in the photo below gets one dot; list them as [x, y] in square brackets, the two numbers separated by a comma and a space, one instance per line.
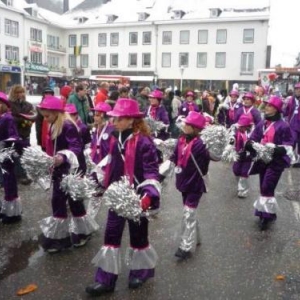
[102, 94]
[123, 91]
[142, 97]
[114, 96]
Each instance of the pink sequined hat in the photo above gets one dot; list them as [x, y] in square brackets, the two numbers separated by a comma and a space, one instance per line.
[245, 121]
[156, 94]
[249, 96]
[276, 102]
[102, 107]
[126, 108]
[234, 93]
[4, 99]
[51, 103]
[71, 108]
[195, 119]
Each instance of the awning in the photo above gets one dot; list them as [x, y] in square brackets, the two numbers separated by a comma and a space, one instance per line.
[56, 74]
[36, 75]
[141, 78]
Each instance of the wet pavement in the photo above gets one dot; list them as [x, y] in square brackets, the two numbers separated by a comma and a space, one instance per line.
[235, 260]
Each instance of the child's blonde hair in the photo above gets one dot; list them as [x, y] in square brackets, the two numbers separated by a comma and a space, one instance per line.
[57, 126]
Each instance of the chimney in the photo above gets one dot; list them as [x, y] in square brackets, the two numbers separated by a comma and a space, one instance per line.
[66, 6]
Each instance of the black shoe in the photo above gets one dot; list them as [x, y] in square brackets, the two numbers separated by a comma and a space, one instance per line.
[98, 289]
[135, 283]
[264, 224]
[25, 181]
[296, 165]
[182, 254]
[11, 220]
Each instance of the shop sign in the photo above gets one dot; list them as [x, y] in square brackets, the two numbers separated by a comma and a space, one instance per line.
[30, 67]
[10, 69]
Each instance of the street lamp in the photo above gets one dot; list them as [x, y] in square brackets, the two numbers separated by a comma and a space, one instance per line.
[181, 76]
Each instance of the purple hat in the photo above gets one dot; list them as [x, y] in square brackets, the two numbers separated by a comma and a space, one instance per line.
[276, 102]
[156, 94]
[126, 108]
[51, 103]
[4, 99]
[71, 108]
[234, 93]
[249, 96]
[245, 120]
[102, 107]
[195, 119]
[297, 85]
[190, 94]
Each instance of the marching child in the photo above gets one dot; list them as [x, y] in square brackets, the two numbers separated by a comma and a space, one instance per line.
[191, 159]
[64, 144]
[10, 206]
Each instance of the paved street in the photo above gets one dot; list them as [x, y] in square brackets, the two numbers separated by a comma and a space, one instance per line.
[234, 261]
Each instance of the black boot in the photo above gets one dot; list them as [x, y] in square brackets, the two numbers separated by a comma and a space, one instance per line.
[182, 254]
[264, 224]
[11, 220]
[135, 283]
[98, 289]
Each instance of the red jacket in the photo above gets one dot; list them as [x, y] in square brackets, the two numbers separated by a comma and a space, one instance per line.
[101, 96]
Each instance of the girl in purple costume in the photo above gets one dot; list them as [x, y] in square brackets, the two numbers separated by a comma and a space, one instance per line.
[248, 108]
[271, 130]
[241, 167]
[10, 206]
[64, 144]
[191, 159]
[227, 111]
[188, 105]
[132, 154]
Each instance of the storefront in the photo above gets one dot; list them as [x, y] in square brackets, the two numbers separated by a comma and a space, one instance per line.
[36, 77]
[9, 75]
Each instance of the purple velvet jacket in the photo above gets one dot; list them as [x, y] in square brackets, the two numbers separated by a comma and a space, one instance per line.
[282, 136]
[8, 128]
[189, 180]
[224, 117]
[184, 109]
[256, 115]
[291, 118]
[145, 166]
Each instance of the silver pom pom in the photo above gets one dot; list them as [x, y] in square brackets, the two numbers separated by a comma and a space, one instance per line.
[77, 187]
[166, 147]
[264, 152]
[90, 165]
[155, 126]
[215, 138]
[123, 199]
[6, 153]
[36, 163]
[229, 154]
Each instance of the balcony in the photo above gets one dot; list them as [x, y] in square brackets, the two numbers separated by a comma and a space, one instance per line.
[55, 48]
[57, 69]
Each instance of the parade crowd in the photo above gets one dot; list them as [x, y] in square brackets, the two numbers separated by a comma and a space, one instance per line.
[119, 131]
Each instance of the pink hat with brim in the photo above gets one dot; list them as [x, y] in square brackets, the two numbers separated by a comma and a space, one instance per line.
[195, 119]
[156, 94]
[102, 107]
[189, 94]
[249, 96]
[4, 99]
[51, 103]
[70, 108]
[245, 120]
[234, 93]
[126, 108]
[297, 85]
[276, 102]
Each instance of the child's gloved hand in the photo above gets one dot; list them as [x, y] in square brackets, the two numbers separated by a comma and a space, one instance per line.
[145, 202]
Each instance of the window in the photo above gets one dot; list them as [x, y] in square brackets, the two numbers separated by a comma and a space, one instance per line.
[247, 63]
[36, 57]
[248, 37]
[146, 60]
[114, 60]
[9, 2]
[72, 61]
[202, 36]
[183, 59]
[12, 53]
[72, 40]
[220, 59]
[221, 36]
[201, 60]
[11, 27]
[102, 39]
[84, 40]
[36, 34]
[114, 39]
[84, 60]
[133, 38]
[147, 38]
[132, 60]
[167, 37]
[102, 61]
[53, 42]
[184, 37]
[166, 60]
[53, 61]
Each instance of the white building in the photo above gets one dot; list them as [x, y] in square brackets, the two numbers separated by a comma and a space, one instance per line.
[164, 42]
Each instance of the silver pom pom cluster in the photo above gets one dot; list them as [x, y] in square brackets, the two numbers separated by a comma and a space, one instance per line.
[155, 126]
[166, 147]
[6, 153]
[122, 198]
[264, 152]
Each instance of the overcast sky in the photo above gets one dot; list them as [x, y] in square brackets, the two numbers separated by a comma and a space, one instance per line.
[284, 35]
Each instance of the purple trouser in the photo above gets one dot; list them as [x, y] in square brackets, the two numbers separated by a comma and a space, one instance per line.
[296, 138]
[191, 199]
[138, 232]
[241, 169]
[9, 181]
